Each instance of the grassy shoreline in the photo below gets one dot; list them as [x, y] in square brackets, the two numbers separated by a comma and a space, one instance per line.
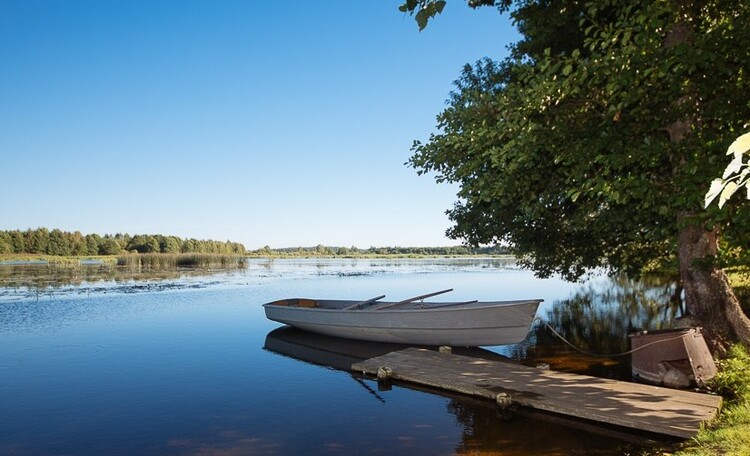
[729, 433]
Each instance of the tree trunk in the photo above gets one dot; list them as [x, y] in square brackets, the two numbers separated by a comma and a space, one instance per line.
[709, 299]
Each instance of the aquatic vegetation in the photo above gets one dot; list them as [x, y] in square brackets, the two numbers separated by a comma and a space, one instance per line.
[180, 260]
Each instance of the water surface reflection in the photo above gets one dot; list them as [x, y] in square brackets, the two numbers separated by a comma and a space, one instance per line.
[485, 429]
[596, 321]
[95, 361]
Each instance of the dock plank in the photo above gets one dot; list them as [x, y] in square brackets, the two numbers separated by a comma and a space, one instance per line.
[644, 407]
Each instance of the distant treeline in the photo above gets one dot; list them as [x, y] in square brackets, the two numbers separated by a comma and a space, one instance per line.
[43, 241]
[322, 250]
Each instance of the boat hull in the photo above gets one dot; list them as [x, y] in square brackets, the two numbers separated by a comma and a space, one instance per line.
[454, 324]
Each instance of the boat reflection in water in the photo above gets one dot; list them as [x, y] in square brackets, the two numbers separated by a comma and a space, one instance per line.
[484, 426]
[340, 353]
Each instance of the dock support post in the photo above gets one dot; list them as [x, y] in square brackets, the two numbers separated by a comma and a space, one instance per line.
[384, 378]
[384, 373]
[504, 400]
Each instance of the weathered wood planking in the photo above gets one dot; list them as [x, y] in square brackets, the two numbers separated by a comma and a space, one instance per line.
[644, 407]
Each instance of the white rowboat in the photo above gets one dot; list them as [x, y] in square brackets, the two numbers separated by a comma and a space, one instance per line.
[458, 324]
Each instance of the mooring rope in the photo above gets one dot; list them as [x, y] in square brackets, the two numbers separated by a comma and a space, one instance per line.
[605, 355]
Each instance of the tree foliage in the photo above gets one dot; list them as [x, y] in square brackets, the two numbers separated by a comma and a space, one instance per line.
[425, 12]
[322, 250]
[593, 141]
[62, 243]
[592, 144]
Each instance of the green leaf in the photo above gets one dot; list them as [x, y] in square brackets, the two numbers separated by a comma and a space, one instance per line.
[422, 17]
[626, 37]
[568, 69]
[408, 6]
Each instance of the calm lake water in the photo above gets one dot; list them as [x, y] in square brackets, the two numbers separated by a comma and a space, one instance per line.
[97, 361]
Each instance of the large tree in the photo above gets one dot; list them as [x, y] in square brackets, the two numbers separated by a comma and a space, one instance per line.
[592, 144]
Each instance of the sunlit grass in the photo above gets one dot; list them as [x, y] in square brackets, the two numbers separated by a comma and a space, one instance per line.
[739, 279]
[729, 434]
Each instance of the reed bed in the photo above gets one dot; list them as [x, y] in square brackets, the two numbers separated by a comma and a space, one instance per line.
[156, 261]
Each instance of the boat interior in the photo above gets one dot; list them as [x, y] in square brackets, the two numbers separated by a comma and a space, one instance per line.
[296, 302]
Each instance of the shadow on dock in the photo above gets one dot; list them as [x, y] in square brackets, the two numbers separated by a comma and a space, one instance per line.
[674, 413]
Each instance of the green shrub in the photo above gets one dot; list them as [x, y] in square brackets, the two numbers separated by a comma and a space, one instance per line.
[733, 379]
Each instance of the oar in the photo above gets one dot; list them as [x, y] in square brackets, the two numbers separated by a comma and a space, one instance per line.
[415, 298]
[359, 305]
[451, 304]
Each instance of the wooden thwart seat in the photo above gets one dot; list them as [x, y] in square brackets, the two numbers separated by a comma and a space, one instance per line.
[297, 302]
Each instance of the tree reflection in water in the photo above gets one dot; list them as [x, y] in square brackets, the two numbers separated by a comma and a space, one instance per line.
[597, 319]
[24, 282]
[485, 431]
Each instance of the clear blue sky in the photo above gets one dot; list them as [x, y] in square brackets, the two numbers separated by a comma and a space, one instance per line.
[267, 123]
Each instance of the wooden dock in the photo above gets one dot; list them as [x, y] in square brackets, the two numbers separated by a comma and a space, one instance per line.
[648, 408]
